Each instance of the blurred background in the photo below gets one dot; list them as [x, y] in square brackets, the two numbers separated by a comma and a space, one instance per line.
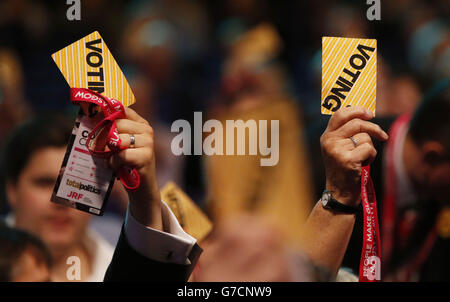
[229, 59]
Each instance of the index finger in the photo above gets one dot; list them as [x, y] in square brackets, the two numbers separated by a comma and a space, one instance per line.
[346, 114]
[356, 126]
[132, 115]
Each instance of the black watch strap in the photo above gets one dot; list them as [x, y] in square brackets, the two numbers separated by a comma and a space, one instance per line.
[336, 206]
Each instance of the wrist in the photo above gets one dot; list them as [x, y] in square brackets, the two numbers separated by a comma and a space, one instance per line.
[145, 204]
[147, 213]
[346, 197]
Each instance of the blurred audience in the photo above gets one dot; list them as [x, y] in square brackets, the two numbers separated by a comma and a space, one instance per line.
[233, 59]
[13, 106]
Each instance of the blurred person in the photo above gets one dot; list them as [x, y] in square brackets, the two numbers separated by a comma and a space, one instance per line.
[411, 178]
[416, 190]
[428, 41]
[23, 257]
[13, 106]
[31, 161]
[255, 87]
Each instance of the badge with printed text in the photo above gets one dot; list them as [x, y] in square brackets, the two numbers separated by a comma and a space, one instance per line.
[349, 73]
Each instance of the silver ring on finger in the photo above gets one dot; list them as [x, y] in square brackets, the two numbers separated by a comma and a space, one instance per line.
[355, 143]
[132, 141]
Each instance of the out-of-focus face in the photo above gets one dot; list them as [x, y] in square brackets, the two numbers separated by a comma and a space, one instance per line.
[58, 226]
[438, 182]
[29, 269]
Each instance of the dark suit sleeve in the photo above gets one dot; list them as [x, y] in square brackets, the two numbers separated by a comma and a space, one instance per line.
[129, 265]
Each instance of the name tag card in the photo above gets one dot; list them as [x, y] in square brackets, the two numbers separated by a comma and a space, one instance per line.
[84, 181]
[349, 73]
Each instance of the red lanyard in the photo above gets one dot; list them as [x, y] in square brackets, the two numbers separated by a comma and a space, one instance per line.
[370, 264]
[414, 266]
[390, 185]
[112, 110]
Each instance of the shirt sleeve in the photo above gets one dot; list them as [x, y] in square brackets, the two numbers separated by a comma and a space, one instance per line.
[173, 246]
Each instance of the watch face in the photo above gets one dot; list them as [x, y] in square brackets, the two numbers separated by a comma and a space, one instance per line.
[325, 199]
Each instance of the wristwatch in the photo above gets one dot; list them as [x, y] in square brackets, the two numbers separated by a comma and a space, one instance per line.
[329, 203]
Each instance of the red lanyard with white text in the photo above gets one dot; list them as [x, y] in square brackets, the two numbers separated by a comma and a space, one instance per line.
[112, 110]
[370, 264]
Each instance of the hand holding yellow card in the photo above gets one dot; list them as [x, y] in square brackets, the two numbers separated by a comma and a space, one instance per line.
[349, 73]
[84, 182]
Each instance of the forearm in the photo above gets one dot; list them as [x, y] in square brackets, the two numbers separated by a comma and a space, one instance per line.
[326, 236]
[145, 202]
[346, 146]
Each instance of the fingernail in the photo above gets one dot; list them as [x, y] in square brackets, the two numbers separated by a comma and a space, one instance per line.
[369, 113]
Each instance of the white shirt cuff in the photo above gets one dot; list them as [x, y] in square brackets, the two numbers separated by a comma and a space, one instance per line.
[173, 246]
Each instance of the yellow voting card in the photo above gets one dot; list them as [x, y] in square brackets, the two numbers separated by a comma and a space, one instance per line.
[349, 73]
[88, 63]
